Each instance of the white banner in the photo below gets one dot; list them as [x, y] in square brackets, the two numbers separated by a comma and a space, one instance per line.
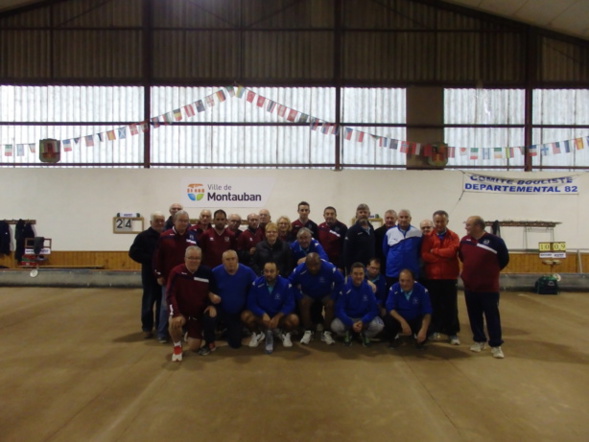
[567, 185]
[226, 193]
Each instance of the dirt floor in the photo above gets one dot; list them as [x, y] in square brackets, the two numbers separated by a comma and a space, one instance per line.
[74, 367]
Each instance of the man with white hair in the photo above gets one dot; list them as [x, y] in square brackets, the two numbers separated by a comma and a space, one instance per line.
[401, 248]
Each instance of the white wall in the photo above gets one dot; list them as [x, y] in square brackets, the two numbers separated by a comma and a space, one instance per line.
[75, 207]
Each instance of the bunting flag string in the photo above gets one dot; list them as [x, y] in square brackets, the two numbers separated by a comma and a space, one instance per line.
[318, 125]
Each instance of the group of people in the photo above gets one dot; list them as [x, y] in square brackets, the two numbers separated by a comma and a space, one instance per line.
[325, 279]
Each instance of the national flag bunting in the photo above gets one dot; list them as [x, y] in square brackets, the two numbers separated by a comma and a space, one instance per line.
[89, 141]
[67, 145]
[177, 114]
[122, 132]
[474, 153]
[250, 96]
[8, 150]
[292, 115]
[111, 135]
[221, 96]
[348, 133]
[281, 110]
[20, 150]
[271, 106]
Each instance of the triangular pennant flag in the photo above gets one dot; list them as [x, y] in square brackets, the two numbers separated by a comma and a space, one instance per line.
[32, 147]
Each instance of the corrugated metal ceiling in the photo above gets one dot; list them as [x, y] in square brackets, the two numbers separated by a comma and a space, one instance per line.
[564, 16]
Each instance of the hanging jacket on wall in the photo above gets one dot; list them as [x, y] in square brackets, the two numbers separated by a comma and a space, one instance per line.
[21, 233]
[4, 238]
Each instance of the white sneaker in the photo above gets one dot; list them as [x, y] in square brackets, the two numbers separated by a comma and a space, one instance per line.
[454, 340]
[327, 338]
[286, 341]
[478, 346]
[177, 354]
[497, 352]
[256, 339]
[269, 346]
[307, 337]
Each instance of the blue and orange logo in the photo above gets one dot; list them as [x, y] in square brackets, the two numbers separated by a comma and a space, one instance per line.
[195, 192]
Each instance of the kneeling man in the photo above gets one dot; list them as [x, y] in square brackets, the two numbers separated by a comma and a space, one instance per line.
[409, 310]
[190, 293]
[356, 309]
[271, 305]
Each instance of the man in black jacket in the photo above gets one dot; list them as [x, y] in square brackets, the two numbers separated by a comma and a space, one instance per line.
[141, 251]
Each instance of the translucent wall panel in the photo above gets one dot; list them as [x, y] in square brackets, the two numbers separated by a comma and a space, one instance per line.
[480, 147]
[79, 144]
[374, 105]
[72, 109]
[561, 106]
[70, 103]
[484, 106]
[373, 145]
[561, 147]
[242, 145]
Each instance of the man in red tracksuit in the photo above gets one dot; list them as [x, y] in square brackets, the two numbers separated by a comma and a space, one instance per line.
[439, 253]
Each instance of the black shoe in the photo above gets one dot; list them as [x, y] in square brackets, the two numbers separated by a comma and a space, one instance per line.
[395, 343]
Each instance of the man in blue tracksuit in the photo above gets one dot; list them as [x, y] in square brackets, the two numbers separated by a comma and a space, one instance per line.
[356, 309]
[401, 248]
[409, 310]
[270, 309]
[316, 281]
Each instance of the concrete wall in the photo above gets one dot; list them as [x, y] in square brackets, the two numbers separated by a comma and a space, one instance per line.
[75, 207]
